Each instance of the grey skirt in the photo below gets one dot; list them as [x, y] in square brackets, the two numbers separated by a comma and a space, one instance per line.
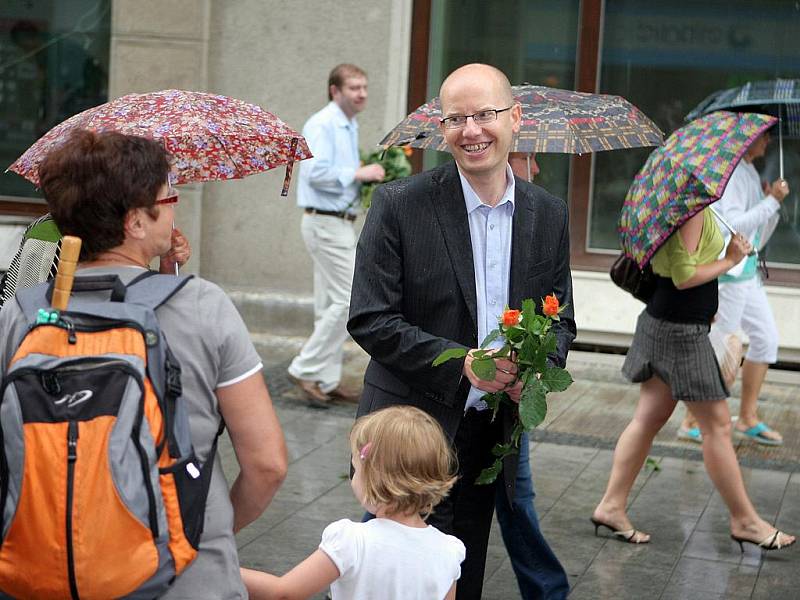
[680, 354]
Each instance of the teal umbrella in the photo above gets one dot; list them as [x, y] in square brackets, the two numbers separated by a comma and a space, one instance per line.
[682, 177]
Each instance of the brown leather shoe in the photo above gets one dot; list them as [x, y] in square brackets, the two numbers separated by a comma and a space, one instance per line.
[311, 392]
[345, 394]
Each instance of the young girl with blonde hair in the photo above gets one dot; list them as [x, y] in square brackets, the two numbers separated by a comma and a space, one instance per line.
[403, 466]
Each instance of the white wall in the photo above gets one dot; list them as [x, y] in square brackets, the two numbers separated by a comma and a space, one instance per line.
[607, 315]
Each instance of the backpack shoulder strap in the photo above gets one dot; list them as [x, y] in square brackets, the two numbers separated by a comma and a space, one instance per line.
[31, 299]
[154, 289]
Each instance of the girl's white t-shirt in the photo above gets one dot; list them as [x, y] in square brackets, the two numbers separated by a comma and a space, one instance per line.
[391, 561]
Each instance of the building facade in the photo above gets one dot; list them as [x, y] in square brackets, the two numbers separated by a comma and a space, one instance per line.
[58, 57]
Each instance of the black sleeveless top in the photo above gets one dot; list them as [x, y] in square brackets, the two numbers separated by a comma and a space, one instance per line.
[693, 305]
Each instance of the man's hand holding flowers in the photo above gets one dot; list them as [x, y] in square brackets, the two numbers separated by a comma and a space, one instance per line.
[505, 374]
[518, 372]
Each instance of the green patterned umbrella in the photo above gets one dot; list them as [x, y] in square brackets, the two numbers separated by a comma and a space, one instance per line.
[682, 177]
[553, 120]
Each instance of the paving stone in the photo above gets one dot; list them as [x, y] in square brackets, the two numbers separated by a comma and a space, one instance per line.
[728, 580]
[615, 580]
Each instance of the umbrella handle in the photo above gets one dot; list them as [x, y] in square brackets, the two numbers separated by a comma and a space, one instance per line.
[177, 268]
[727, 226]
[68, 260]
[780, 141]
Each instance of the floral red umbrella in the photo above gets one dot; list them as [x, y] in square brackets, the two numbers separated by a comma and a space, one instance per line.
[209, 137]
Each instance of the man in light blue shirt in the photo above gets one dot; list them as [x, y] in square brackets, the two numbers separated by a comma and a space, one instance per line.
[328, 191]
[539, 573]
[490, 232]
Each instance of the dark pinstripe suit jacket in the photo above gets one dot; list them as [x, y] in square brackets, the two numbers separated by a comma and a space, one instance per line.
[414, 289]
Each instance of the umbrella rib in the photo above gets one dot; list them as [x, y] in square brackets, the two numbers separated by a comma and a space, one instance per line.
[239, 171]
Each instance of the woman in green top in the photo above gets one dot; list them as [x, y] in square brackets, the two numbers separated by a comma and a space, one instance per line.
[671, 356]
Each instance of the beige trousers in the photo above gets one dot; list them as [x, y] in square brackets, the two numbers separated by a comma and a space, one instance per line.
[331, 242]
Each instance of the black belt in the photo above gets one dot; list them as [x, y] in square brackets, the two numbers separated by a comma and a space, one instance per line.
[331, 213]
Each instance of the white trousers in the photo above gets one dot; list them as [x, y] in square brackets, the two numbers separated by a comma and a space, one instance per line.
[743, 305]
[331, 242]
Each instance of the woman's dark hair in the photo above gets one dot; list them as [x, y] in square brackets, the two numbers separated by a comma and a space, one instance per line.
[93, 180]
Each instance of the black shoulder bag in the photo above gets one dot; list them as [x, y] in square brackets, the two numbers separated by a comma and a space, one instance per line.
[640, 283]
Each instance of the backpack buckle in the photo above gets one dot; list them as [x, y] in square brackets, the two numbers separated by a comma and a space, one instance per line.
[173, 376]
[50, 383]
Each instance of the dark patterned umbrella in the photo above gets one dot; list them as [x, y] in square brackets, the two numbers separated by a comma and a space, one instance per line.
[682, 177]
[777, 97]
[553, 120]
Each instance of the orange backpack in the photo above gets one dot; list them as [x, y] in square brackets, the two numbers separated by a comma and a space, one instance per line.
[102, 495]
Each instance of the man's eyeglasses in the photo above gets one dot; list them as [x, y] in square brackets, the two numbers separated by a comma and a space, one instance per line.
[171, 199]
[483, 117]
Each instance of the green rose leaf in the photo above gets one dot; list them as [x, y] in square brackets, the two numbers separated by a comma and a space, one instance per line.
[550, 343]
[556, 379]
[502, 352]
[515, 334]
[535, 325]
[449, 354]
[527, 352]
[484, 368]
[501, 450]
[532, 404]
[528, 312]
[489, 474]
[494, 400]
[490, 338]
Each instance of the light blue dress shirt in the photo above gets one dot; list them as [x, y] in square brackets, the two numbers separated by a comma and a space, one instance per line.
[327, 181]
[490, 232]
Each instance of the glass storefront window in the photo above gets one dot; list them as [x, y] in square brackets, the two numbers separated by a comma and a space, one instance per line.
[54, 59]
[530, 41]
[666, 57]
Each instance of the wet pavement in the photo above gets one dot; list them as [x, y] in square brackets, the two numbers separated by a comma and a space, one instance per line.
[691, 554]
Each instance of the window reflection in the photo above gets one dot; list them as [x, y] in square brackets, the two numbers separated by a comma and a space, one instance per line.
[666, 57]
[53, 64]
[530, 41]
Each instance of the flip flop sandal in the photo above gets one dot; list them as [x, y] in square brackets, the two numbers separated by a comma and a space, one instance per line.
[690, 435]
[755, 433]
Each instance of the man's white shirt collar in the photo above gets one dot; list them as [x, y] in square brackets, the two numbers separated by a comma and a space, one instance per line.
[340, 117]
[472, 199]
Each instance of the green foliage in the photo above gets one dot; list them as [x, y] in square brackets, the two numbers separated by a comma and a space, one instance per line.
[532, 404]
[651, 463]
[489, 474]
[493, 335]
[556, 379]
[394, 162]
[449, 354]
[484, 368]
[550, 343]
[500, 450]
[528, 343]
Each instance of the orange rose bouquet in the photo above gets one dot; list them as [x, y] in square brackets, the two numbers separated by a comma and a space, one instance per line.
[527, 340]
